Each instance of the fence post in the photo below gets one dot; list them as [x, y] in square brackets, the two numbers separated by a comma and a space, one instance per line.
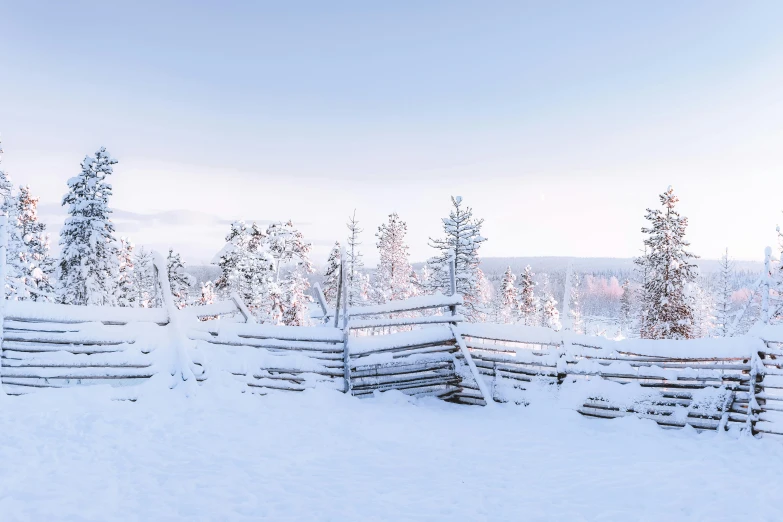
[339, 292]
[453, 282]
[180, 365]
[342, 290]
[3, 255]
[249, 319]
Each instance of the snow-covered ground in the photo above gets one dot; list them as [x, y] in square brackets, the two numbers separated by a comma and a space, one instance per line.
[319, 455]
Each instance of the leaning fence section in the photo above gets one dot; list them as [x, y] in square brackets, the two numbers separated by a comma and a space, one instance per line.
[709, 384]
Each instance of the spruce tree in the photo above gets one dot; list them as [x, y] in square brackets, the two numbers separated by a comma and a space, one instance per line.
[127, 293]
[393, 273]
[626, 307]
[296, 302]
[509, 302]
[179, 280]
[207, 296]
[332, 275]
[14, 265]
[286, 244]
[248, 268]
[462, 240]
[723, 305]
[143, 280]
[667, 310]
[354, 263]
[575, 308]
[549, 314]
[528, 302]
[36, 267]
[89, 266]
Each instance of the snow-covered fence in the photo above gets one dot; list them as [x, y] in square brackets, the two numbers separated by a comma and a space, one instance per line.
[290, 358]
[46, 345]
[704, 383]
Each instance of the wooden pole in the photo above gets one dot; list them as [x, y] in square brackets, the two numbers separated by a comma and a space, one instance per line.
[3, 255]
[453, 282]
[343, 291]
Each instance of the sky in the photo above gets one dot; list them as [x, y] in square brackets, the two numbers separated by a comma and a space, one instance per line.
[559, 123]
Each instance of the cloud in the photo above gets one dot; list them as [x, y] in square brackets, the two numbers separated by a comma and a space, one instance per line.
[138, 220]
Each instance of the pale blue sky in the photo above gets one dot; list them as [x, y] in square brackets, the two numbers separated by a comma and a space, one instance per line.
[559, 122]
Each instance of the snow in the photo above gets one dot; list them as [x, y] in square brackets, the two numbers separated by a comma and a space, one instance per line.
[320, 456]
[67, 313]
[704, 348]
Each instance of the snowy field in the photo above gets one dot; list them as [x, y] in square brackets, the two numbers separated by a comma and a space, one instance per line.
[76, 455]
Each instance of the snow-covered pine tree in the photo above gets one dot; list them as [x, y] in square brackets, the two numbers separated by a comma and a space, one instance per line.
[723, 304]
[667, 310]
[178, 279]
[528, 301]
[393, 273]
[626, 307]
[143, 280]
[207, 296]
[462, 241]
[509, 302]
[332, 275]
[703, 316]
[354, 264]
[126, 292]
[89, 266]
[248, 269]
[36, 266]
[550, 315]
[286, 244]
[14, 265]
[296, 301]
[575, 308]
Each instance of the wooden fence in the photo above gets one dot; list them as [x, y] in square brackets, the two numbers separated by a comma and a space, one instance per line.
[419, 346]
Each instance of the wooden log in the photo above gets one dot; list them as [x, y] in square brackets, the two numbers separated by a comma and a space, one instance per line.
[412, 384]
[59, 382]
[82, 338]
[704, 424]
[516, 368]
[274, 386]
[652, 409]
[410, 347]
[461, 399]
[12, 363]
[401, 368]
[377, 380]
[36, 347]
[447, 349]
[293, 346]
[356, 324]
[77, 373]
